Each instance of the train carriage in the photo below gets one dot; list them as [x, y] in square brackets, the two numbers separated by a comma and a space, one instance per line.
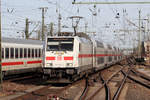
[99, 55]
[20, 56]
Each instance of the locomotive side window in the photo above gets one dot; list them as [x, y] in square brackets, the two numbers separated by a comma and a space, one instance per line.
[32, 53]
[147, 48]
[16, 52]
[2, 53]
[21, 52]
[11, 52]
[25, 52]
[6, 53]
[79, 47]
[29, 53]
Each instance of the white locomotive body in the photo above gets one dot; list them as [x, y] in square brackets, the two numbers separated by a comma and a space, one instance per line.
[19, 55]
[71, 56]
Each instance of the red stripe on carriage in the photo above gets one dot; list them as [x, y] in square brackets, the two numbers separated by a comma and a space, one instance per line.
[50, 58]
[68, 58]
[85, 55]
[33, 62]
[95, 55]
[12, 63]
[100, 55]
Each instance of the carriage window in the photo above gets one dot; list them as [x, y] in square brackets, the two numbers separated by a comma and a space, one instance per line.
[99, 44]
[100, 60]
[25, 53]
[11, 52]
[16, 52]
[39, 52]
[36, 54]
[110, 58]
[7, 53]
[21, 52]
[32, 53]
[29, 53]
[2, 53]
[115, 57]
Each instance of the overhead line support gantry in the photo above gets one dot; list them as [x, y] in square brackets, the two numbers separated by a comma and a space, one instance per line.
[142, 2]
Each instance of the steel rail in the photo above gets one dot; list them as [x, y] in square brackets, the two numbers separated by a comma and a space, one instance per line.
[116, 96]
[140, 74]
[95, 93]
[137, 81]
[85, 91]
[107, 90]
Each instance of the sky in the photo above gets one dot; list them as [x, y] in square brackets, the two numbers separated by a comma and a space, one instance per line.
[105, 23]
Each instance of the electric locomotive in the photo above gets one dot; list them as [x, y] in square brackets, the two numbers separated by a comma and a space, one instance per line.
[71, 57]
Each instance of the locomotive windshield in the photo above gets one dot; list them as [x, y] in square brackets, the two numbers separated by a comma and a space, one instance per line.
[60, 44]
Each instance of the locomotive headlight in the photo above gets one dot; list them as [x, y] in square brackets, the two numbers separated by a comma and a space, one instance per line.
[69, 64]
[49, 64]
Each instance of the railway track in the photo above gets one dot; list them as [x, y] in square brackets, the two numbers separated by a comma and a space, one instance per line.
[20, 78]
[127, 71]
[103, 85]
[139, 80]
[48, 92]
[107, 90]
[127, 75]
[116, 96]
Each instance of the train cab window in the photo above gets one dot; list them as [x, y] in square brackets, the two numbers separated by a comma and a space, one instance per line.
[25, 53]
[21, 53]
[29, 53]
[32, 53]
[16, 53]
[2, 53]
[60, 44]
[11, 52]
[36, 53]
[6, 53]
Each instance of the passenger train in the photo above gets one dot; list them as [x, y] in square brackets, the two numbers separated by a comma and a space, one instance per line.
[69, 57]
[20, 56]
